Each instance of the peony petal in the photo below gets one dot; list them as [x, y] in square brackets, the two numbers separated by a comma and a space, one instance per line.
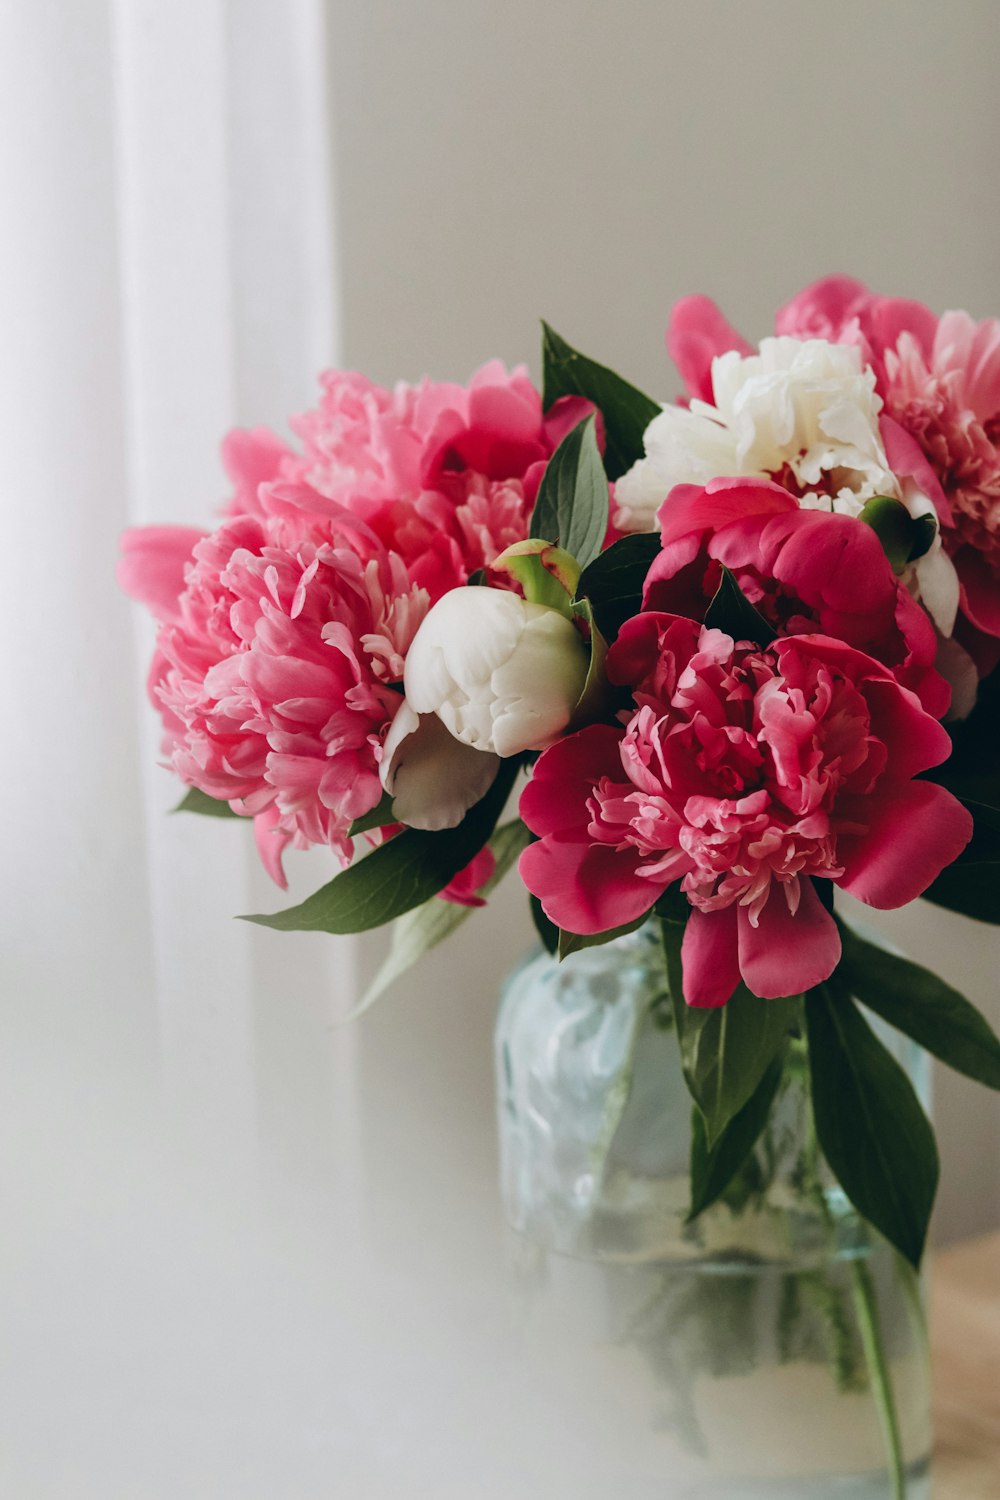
[709, 957]
[152, 564]
[786, 954]
[586, 887]
[912, 835]
[697, 332]
[555, 799]
[271, 840]
[691, 507]
[433, 778]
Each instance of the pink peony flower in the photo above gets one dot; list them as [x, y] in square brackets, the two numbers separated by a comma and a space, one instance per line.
[445, 476]
[940, 381]
[746, 775]
[278, 645]
[804, 570]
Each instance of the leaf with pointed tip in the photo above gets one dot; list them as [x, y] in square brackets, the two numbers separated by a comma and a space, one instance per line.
[196, 801]
[548, 932]
[725, 1052]
[626, 411]
[922, 1006]
[614, 581]
[572, 942]
[398, 875]
[380, 816]
[572, 504]
[418, 931]
[731, 611]
[870, 1125]
[714, 1167]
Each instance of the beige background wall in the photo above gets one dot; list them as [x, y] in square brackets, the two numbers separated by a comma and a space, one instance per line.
[590, 163]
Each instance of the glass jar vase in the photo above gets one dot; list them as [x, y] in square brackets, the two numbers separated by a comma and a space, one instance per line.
[773, 1346]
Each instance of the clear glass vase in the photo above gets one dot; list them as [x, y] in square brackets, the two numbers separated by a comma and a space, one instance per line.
[775, 1346]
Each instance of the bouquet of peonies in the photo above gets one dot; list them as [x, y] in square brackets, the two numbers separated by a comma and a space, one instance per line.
[721, 638]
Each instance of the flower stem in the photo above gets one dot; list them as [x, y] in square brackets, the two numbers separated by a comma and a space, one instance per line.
[878, 1367]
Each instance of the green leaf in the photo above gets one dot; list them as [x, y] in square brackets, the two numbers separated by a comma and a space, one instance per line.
[726, 1051]
[380, 816]
[904, 537]
[731, 611]
[547, 931]
[196, 801]
[572, 504]
[922, 1006]
[572, 942]
[613, 582]
[418, 931]
[398, 875]
[593, 700]
[980, 793]
[626, 411]
[714, 1167]
[972, 884]
[869, 1122]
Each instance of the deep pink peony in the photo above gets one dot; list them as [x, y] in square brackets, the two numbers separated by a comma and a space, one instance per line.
[806, 571]
[277, 646]
[445, 476]
[746, 775]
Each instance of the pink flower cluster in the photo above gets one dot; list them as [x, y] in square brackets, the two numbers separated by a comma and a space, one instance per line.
[747, 775]
[939, 379]
[283, 632]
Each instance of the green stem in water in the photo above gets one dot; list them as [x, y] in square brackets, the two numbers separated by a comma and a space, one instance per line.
[878, 1366]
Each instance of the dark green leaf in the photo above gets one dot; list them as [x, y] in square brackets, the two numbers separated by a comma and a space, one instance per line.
[973, 890]
[592, 703]
[572, 504]
[418, 931]
[870, 1125]
[572, 942]
[626, 411]
[380, 816]
[981, 794]
[547, 931]
[613, 582]
[725, 1051]
[922, 1006]
[714, 1167]
[398, 875]
[904, 537]
[196, 801]
[731, 611]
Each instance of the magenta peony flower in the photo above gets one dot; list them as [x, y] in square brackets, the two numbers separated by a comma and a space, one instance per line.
[804, 570]
[746, 775]
[277, 646]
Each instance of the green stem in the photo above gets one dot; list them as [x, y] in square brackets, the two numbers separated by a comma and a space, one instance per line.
[878, 1367]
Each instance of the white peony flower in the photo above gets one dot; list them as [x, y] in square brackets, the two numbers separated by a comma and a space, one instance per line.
[503, 675]
[800, 408]
[803, 412]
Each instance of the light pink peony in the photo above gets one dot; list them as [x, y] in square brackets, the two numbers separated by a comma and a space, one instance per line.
[804, 570]
[445, 476]
[746, 775]
[278, 645]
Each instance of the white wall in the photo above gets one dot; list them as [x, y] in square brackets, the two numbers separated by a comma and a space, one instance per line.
[499, 162]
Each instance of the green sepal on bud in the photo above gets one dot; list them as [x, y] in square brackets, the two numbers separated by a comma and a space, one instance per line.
[547, 574]
[904, 537]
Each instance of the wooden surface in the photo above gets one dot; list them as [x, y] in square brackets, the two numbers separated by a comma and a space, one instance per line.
[965, 1338]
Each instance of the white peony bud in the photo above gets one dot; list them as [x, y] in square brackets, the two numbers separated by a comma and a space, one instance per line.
[502, 674]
